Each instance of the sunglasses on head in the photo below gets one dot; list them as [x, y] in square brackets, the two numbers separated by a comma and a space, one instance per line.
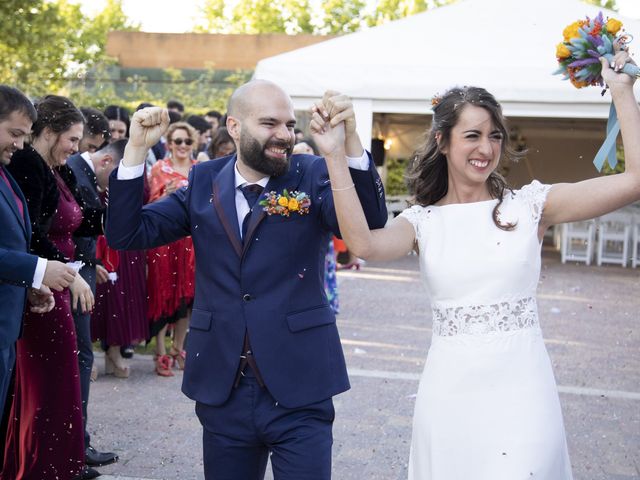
[187, 141]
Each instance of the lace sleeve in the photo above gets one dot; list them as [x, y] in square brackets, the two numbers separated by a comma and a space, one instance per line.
[413, 215]
[534, 196]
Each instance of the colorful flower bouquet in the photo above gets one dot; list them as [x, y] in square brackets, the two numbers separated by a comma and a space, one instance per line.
[286, 203]
[585, 41]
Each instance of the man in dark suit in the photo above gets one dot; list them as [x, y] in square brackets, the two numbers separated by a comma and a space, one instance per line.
[264, 357]
[23, 276]
[92, 172]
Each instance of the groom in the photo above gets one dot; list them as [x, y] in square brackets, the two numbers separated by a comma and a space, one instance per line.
[263, 357]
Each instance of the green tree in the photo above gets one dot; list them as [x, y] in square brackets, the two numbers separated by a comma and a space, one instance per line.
[396, 183]
[256, 16]
[389, 10]
[31, 49]
[619, 168]
[609, 4]
[92, 37]
[304, 16]
[42, 42]
[342, 16]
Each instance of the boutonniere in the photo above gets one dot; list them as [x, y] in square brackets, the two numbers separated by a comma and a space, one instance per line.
[286, 203]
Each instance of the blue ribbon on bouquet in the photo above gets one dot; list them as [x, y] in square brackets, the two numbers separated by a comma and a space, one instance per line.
[608, 149]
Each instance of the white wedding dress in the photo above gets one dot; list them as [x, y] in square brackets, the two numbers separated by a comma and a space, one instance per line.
[487, 405]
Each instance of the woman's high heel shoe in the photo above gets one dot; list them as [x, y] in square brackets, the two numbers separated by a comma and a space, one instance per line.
[111, 368]
[348, 266]
[94, 373]
[178, 357]
[163, 365]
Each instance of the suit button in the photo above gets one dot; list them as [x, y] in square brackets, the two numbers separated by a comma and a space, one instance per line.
[246, 297]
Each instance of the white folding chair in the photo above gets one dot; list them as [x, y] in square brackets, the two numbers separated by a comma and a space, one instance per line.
[578, 241]
[396, 205]
[614, 238]
[635, 243]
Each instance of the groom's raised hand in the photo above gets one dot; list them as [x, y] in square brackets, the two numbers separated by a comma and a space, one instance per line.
[338, 108]
[147, 126]
[330, 140]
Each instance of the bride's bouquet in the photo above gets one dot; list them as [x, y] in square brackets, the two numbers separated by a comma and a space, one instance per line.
[585, 41]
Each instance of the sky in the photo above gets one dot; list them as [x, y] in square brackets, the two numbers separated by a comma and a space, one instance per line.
[171, 16]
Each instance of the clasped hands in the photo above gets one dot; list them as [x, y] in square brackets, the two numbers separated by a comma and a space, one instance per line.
[333, 126]
[40, 299]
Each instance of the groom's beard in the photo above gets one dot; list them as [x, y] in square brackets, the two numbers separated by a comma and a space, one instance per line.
[254, 155]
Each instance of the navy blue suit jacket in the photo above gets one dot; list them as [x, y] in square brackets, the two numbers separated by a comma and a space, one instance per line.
[87, 188]
[17, 265]
[272, 285]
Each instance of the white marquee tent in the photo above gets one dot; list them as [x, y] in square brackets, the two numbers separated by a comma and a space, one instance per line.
[505, 46]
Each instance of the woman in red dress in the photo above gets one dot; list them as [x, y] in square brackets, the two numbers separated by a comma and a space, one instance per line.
[171, 268]
[45, 434]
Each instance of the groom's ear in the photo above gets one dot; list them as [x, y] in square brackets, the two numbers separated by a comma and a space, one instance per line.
[233, 127]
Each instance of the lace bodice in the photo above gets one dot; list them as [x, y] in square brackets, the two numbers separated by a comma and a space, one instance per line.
[481, 279]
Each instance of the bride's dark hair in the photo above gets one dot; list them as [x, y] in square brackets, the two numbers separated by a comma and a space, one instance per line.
[427, 175]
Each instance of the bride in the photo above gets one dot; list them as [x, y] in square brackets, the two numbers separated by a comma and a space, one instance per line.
[487, 406]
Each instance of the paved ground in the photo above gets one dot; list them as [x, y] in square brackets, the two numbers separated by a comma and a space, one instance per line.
[590, 316]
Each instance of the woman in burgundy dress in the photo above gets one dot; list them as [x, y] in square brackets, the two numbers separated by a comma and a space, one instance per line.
[120, 317]
[45, 433]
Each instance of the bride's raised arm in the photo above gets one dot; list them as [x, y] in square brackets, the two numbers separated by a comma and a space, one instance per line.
[569, 202]
[397, 237]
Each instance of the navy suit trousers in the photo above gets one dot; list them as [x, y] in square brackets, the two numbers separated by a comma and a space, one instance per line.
[7, 362]
[239, 435]
[82, 322]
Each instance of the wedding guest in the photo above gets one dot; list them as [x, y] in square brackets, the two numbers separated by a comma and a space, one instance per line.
[120, 311]
[487, 405]
[215, 119]
[23, 275]
[221, 144]
[176, 107]
[47, 402]
[170, 278]
[204, 137]
[91, 171]
[97, 130]
[118, 122]
[308, 147]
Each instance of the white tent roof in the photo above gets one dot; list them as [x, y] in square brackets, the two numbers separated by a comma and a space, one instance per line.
[505, 46]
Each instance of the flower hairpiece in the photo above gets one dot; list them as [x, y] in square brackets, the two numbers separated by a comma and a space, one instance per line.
[435, 100]
[285, 203]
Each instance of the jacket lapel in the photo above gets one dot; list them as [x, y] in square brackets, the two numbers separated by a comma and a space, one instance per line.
[289, 181]
[224, 203]
[8, 195]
